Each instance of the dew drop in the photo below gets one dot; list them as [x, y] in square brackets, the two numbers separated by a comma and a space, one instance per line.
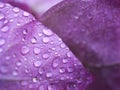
[37, 63]
[1, 4]
[24, 49]
[36, 50]
[55, 62]
[1, 50]
[70, 69]
[5, 29]
[2, 41]
[16, 9]
[62, 45]
[68, 54]
[18, 63]
[1, 16]
[48, 74]
[25, 31]
[65, 60]
[42, 88]
[33, 40]
[47, 32]
[34, 80]
[40, 71]
[62, 70]
[46, 40]
[46, 55]
[26, 14]
[14, 73]
[50, 87]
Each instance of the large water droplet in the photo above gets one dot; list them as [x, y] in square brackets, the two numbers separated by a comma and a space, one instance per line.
[65, 60]
[62, 70]
[25, 49]
[36, 50]
[48, 74]
[2, 41]
[46, 40]
[34, 80]
[26, 14]
[37, 63]
[5, 29]
[1, 16]
[33, 40]
[46, 55]
[47, 32]
[55, 62]
[16, 9]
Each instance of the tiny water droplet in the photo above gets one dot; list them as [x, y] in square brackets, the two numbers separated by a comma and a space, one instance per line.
[65, 60]
[1, 50]
[33, 40]
[68, 54]
[50, 87]
[70, 69]
[36, 50]
[62, 70]
[37, 63]
[40, 71]
[24, 83]
[5, 29]
[26, 14]
[1, 4]
[25, 31]
[16, 9]
[25, 49]
[55, 62]
[18, 63]
[2, 41]
[62, 45]
[46, 40]
[14, 73]
[48, 74]
[47, 32]
[46, 55]
[34, 80]
[1, 16]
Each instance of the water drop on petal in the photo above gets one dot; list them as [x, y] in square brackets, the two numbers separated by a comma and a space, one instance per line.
[1, 4]
[37, 63]
[1, 16]
[33, 40]
[25, 49]
[48, 74]
[65, 60]
[16, 9]
[46, 40]
[40, 71]
[36, 50]
[26, 14]
[5, 29]
[2, 41]
[47, 32]
[55, 62]
[46, 55]
[62, 70]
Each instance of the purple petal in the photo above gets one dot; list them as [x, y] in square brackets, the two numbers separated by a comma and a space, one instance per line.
[33, 57]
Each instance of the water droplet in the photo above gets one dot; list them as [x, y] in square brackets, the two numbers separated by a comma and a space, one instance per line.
[24, 83]
[62, 70]
[14, 73]
[1, 50]
[46, 55]
[33, 40]
[69, 54]
[1, 4]
[25, 31]
[47, 32]
[37, 63]
[34, 80]
[55, 62]
[48, 74]
[42, 88]
[46, 39]
[1, 16]
[70, 69]
[5, 29]
[36, 50]
[16, 9]
[62, 45]
[3, 69]
[50, 87]
[26, 14]
[65, 60]
[2, 41]
[18, 63]
[24, 49]
[40, 71]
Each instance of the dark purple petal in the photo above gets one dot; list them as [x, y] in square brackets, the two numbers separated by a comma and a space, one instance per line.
[32, 57]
